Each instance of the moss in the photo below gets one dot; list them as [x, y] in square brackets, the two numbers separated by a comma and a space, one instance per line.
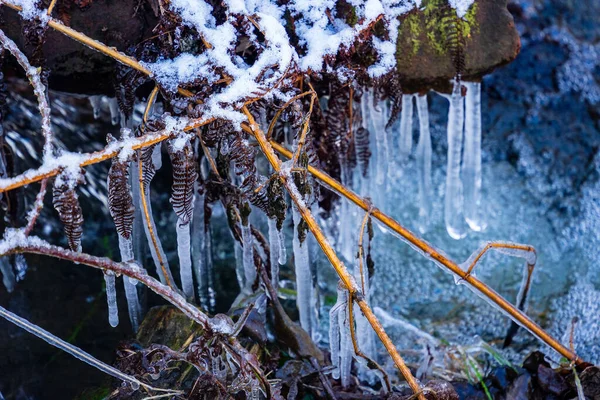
[433, 24]
[94, 394]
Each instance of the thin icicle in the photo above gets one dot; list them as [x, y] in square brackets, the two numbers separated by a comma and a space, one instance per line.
[274, 247]
[239, 264]
[406, 128]
[8, 276]
[113, 106]
[69, 348]
[201, 259]
[424, 163]
[378, 118]
[248, 256]
[453, 207]
[334, 330]
[185, 259]
[304, 280]
[96, 103]
[282, 250]
[111, 299]
[472, 157]
[366, 338]
[346, 346]
[133, 302]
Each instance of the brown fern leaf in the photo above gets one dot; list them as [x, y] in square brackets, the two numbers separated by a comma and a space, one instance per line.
[148, 169]
[66, 203]
[184, 177]
[120, 202]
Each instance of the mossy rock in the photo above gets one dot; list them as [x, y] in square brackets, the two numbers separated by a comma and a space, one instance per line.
[430, 38]
[168, 326]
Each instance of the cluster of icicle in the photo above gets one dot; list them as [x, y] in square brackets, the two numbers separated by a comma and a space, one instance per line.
[463, 174]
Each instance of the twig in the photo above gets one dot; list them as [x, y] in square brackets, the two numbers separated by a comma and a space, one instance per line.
[370, 363]
[339, 267]
[110, 151]
[361, 250]
[278, 113]
[439, 258]
[37, 207]
[302, 138]
[77, 352]
[51, 7]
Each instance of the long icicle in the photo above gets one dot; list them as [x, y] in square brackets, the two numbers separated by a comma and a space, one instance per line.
[424, 164]
[111, 299]
[472, 157]
[304, 280]
[406, 128]
[133, 302]
[453, 206]
[199, 256]
[185, 259]
[275, 248]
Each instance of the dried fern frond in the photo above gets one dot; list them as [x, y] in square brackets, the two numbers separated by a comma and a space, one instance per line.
[66, 203]
[185, 175]
[120, 201]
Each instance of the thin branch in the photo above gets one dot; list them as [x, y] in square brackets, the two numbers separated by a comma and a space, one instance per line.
[78, 353]
[48, 170]
[302, 138]
[337, 264]
[439, 258]
[33, 215]
[281, 110]
[370, 363]
[51, 7]
[361, 236]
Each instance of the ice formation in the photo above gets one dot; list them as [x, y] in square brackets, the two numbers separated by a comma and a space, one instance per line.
[185, 259]
[472, 157]
[202, 255]
[275, 248]
[133, 302]
[306, 294]
[111, 298]
[248, 256]
[406, 128]
[423, 159]
[340, 341]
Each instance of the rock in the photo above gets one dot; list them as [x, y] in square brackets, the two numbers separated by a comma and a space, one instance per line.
[428, 46]
[74, 67]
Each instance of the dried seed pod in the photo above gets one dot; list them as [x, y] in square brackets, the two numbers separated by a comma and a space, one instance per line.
[66, 203]
[120, 202]
[184, 177]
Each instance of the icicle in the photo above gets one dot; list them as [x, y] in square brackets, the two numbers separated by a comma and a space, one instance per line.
[138, 238]
[239, 265]
[96, 103]
[248, 256]
[8, 276]
[378, 116]
[453, 207]
[472, 157]
[133, 302]
[201, 258]
[113, 106]
[282, 250]
[304, 280]
[185, 260]
[346, 346]
[275, 247]
[111, 298]
[366, 338]
[406, 128]
[21, 267]
[334, 330]
[424, 163]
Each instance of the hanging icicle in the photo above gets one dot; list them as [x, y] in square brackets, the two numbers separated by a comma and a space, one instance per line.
[248, 256]
[275, 248]
[133, 302]
[406, 128]
[424, 164]
[111, 298]
[305, 291]
[201, 257]
[453, 207]
[472, 157]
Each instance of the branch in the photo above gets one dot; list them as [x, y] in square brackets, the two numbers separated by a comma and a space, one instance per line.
[438, 257]
[337, 264]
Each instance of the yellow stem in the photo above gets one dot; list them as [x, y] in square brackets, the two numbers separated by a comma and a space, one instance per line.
[440, 258]
[337, 264]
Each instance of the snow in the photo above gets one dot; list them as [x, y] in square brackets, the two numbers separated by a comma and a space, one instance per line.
[461, 6]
